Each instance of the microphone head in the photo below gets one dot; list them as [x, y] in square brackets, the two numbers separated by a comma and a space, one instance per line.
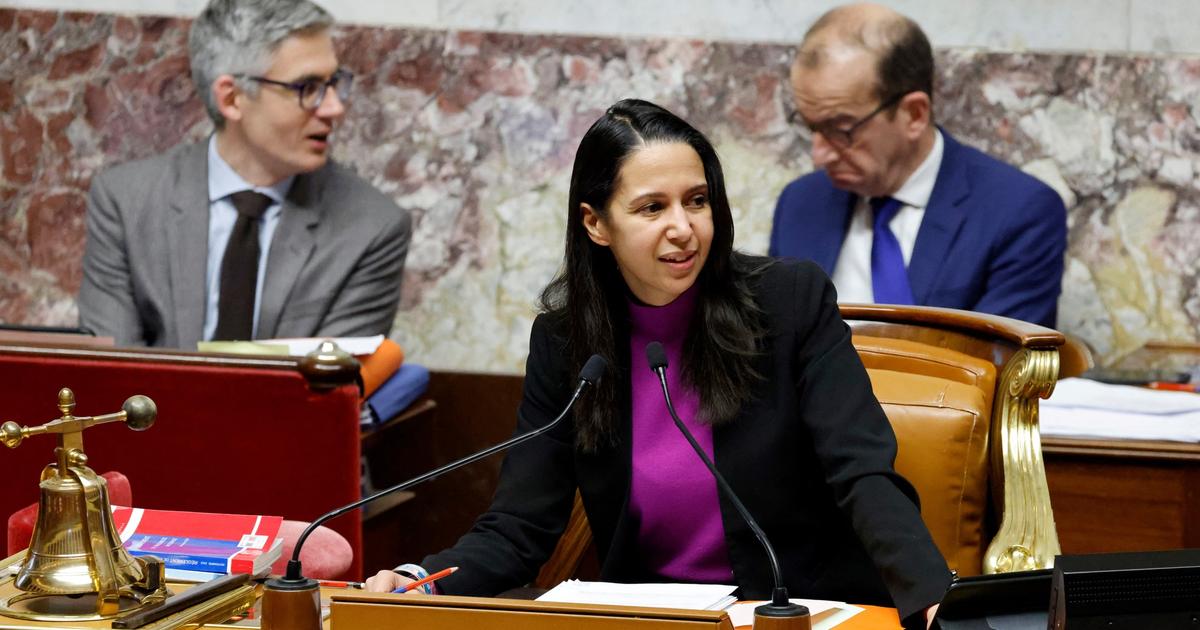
[656, 356]
[593, 369]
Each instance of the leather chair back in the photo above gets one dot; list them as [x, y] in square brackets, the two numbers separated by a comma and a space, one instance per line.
[961, 391]
[939, 402]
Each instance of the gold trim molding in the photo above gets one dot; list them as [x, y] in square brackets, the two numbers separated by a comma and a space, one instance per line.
[1027, 538]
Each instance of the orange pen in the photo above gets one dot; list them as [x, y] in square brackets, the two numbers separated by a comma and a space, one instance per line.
[422, 582]
[340, 584]
[1174, 387]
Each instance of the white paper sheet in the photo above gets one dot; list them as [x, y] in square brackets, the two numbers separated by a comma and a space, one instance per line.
[357, 346]
[1084, 408]
[685, 596]
[1088, 394]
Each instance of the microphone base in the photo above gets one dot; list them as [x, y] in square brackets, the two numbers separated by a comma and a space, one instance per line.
[790, 617]
[291, 604]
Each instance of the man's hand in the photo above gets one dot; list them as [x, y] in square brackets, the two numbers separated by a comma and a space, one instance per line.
[387, 581]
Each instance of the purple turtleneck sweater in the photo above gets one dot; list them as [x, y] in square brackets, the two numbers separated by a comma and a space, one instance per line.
[673, 497]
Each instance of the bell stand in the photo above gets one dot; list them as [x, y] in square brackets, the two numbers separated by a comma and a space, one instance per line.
[104, 570]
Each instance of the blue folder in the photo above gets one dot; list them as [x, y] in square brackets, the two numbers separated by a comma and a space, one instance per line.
[398, 392]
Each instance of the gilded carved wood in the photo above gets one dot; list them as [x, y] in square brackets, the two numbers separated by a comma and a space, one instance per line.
[1027, 538]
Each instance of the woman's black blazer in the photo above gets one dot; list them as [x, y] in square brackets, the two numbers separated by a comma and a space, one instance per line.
[811, 457]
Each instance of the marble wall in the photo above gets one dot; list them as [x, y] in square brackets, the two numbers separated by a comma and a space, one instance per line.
[476, 132]
[1163, 26]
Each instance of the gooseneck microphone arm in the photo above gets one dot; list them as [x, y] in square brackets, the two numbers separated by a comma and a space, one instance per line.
[589, 375]
[657, 358]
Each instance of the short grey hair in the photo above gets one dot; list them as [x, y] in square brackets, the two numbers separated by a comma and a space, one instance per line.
[239, 37]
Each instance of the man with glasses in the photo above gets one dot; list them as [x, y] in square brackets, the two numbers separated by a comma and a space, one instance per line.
[900, 212]
[253, 233]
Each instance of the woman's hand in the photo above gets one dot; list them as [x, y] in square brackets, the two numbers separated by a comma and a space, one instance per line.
[387, 581]
[930, 614]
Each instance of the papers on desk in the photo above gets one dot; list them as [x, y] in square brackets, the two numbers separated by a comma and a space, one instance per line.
[297, 347]
[1084, 408]
[686, 596]
[825, 614]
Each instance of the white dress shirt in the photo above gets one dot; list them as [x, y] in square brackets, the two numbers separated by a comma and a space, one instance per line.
[852, 273]
[223, 181]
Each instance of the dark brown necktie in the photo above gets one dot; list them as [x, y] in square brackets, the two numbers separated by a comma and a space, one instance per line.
[239, 269]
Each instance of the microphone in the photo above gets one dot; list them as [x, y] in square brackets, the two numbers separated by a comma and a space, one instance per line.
[294, 582]
[779, 607]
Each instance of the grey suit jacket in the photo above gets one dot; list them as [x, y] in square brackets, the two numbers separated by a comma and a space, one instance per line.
[334, 266]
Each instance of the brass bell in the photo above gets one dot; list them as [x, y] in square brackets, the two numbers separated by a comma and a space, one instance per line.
[75, 550]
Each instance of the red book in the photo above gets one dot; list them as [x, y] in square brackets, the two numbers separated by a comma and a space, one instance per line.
[201, 541]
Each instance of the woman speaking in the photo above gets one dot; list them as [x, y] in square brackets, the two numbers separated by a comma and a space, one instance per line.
[762, 372]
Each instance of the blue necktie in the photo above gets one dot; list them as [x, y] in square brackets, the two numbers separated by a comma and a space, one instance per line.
[889, 278]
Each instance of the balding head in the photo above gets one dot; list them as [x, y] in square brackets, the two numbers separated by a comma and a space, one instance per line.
[902, 54]
[863, 82]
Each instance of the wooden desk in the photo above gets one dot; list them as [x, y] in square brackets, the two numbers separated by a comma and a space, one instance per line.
[1123, 495]
[871, 618]
[214, 609]
[364, 610]
[1128, 495]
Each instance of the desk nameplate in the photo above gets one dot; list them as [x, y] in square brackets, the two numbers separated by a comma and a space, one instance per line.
[374, 610]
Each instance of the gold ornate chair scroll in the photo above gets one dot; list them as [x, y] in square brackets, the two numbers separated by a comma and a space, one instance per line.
[962, 390]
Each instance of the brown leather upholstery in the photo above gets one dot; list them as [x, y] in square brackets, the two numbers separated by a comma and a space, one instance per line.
[939, 402]
[961, 391]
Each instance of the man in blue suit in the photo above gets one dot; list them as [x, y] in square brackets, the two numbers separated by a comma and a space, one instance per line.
[899, 212]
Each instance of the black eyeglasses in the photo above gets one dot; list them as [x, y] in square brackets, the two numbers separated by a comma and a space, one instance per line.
[842, 136]
[312, 92]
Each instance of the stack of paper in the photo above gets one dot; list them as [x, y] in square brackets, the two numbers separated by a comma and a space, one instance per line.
[687, 596]
[300, 346]
[825, 614]
[296, 346]
[1085, 408]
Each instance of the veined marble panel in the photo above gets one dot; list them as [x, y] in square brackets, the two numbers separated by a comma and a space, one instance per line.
[476, 132]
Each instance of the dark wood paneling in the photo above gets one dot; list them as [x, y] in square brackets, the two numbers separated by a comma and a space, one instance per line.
[473, 411]
[1124, 495]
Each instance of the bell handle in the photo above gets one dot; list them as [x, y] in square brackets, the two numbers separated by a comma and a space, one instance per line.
[138, 413]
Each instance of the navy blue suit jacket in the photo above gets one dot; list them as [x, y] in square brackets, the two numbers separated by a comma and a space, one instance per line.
[992, 239]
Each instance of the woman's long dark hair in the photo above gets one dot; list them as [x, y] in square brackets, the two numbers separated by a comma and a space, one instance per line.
[588, 297]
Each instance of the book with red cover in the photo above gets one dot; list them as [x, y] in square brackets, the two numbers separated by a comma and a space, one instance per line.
[201, 541]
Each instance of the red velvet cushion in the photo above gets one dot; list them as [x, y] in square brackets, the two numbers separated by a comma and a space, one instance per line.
[326, 554]
[21, 522]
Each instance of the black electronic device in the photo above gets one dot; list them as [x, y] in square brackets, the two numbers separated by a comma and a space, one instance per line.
[1132, 376]
[1004, 601]
[1127, 591]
